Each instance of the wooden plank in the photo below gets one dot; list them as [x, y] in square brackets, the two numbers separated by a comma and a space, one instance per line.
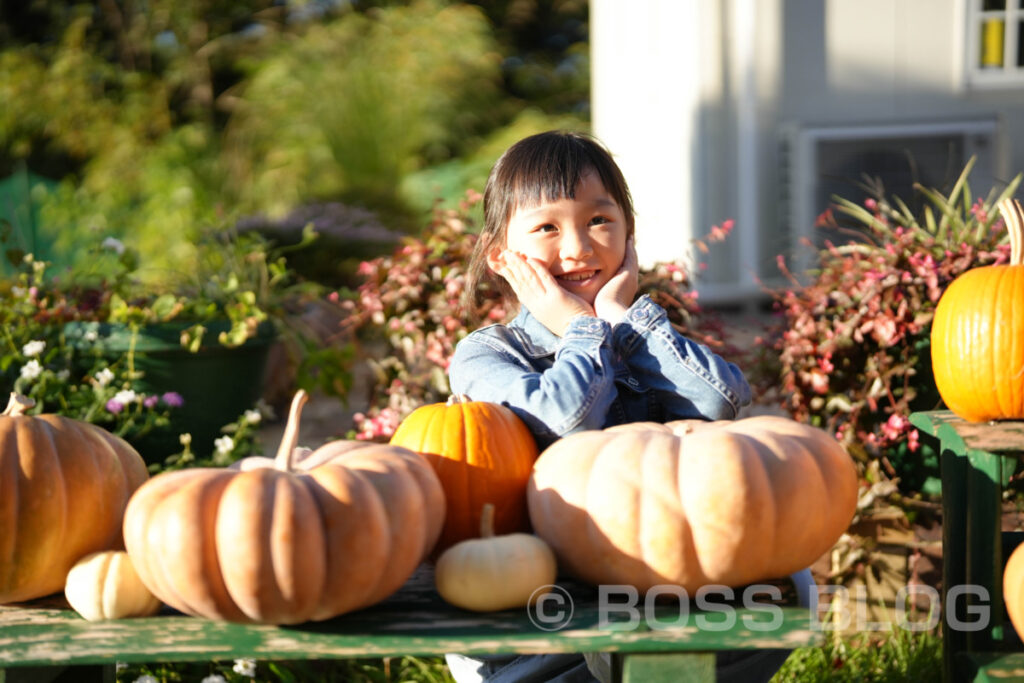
[1005, 437]
[413, 622]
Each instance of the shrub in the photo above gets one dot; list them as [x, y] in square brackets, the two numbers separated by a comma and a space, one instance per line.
[853, 343]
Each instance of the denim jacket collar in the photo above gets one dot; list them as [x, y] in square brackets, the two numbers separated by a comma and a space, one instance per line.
[537, 340]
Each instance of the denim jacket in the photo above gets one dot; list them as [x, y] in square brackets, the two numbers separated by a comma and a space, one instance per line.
[596, 375]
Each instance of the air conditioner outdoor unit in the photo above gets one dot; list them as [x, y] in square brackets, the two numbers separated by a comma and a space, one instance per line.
[818, 163]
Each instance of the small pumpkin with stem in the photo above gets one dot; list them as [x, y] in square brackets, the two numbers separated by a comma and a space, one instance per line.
[287, 540]
[495, 572]
[105, 585]
[64, 486]
[482, 453]
[977, 353]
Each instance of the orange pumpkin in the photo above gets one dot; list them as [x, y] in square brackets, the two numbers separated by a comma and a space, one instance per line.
[1013, 588]
[692, 503]
[482, 454]
[283, 541]
[977, 357]
[64, 485]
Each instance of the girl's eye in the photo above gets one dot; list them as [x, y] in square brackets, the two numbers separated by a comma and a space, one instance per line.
[547, 227]
[599, 220]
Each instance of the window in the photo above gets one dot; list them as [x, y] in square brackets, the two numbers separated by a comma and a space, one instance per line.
[995, 42]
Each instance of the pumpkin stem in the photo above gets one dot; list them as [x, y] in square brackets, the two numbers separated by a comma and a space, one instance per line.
[285, 452]
[18, 405]
[487, 521]
[459, 398]
[1013, 214]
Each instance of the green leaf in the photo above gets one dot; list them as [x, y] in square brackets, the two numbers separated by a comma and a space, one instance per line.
[165, 306]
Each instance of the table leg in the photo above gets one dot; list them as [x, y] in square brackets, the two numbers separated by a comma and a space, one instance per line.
[954, 543]
[675, 667]
[984, 542]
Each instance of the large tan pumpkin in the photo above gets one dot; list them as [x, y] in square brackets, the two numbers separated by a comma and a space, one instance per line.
[64, 485]
[692, 503]
[284, 542]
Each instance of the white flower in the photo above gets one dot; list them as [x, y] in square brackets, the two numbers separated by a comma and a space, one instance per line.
[245, 667]
[146, 678]
[214, 678]
[224, 445]
[185, 439]
[63, 375]
[33, 348]
[114, 244]
[90, 336]
[125, 396]
[104, 377]
[253, 417]
[18, 292]
[31, 370]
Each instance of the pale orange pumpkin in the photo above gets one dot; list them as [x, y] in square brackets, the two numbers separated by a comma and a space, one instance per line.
[1013, 588]
[64, 485]
[692, 503]
[284, 542]
[977, 355]
[482, 453]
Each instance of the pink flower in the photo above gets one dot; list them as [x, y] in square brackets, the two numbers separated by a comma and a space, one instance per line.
[114, 407]
[173, 399]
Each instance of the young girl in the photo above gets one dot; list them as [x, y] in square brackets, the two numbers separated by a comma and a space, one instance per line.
[581, 353]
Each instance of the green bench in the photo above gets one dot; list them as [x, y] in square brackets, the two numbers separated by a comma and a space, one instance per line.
[666, 642]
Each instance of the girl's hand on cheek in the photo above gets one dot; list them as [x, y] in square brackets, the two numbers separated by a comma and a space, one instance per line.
[536, 289]
[618, 293]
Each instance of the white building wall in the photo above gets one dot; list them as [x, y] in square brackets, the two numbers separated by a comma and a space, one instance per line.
[677, 83]
[646, 91]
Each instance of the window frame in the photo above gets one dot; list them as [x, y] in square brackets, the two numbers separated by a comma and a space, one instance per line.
[1010, 74]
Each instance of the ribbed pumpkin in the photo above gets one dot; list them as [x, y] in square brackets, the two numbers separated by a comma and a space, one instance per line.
[105, 585]
[493, 573]
[977, 352]
[1013, 589]
[482, 453]
[340, 529]
[692, 503]
[64, 485]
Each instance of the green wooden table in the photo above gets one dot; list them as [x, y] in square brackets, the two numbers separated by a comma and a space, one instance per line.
[976, 461]
[666, 643]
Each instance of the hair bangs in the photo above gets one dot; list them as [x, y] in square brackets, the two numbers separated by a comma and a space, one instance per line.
[549, 173]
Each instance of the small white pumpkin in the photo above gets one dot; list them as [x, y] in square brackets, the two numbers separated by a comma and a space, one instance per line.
[493, 573]
[105, 585]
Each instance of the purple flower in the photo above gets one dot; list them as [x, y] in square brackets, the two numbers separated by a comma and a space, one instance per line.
[151, 401]
[173, 399]
[114, 407]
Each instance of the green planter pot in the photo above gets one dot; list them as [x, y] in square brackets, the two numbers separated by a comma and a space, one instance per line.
[217, 383]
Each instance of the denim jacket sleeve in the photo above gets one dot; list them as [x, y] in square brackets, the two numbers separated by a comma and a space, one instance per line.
[691, 379]
[571, 395]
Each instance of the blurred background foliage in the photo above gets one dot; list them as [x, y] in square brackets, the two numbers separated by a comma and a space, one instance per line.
[154, 122]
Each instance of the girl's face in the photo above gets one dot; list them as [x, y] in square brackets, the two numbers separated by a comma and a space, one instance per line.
[582, 241]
